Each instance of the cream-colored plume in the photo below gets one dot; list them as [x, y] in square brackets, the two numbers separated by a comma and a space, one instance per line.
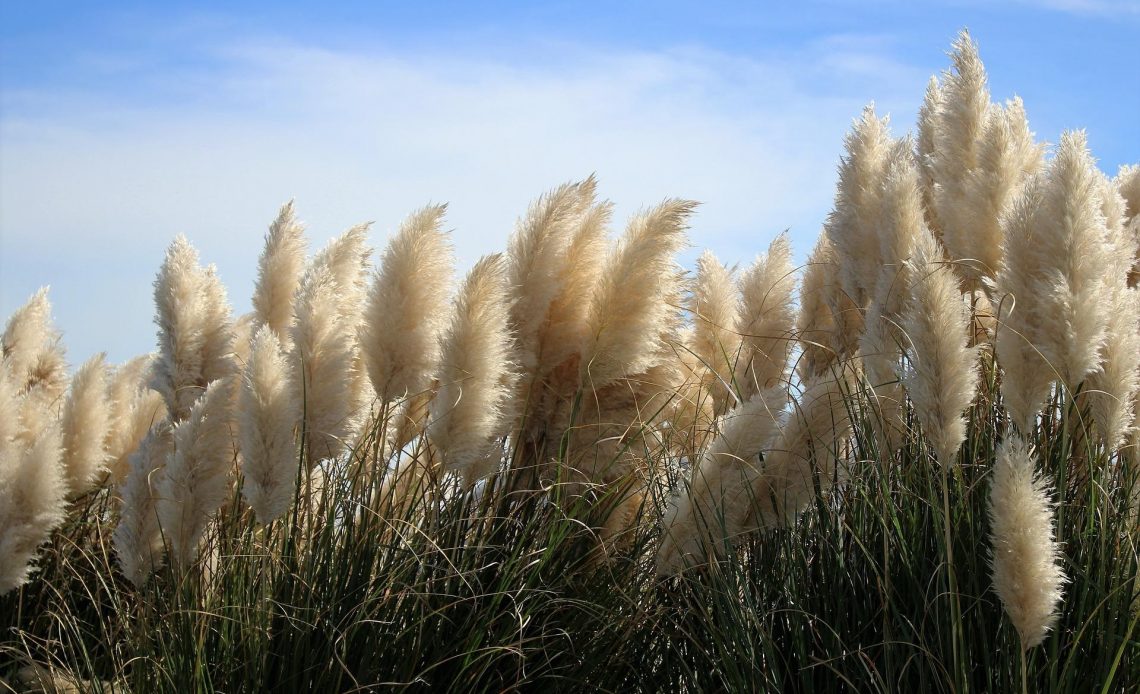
[808, 447]
[32, 351]
[629, 305]
[268, 416]
[197, 480]
[958, 127]
[194, 333]
[1026, 559]
[323, 359]
[1054, 288]
[138, 536]
[767, 319]
[852, 227]
[85, 424]
[31, 477]
[1113, 386]
[536, 267]
[134, 410]
[711, 513]
[279, 273]
[942, 378]
[406, 311]
[715, 307]
[816, 325]
[472, 408]
[928, 114]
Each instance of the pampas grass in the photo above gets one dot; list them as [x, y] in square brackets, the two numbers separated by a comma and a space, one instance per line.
[942, 378]
[1026, 559]
[196, 479]
[471, 408]
[85, 424]
[629, 304]
[714, 304]
[405, 314]
[268, 415]
[710, 513]
[33, 504]
[138, 536]
[279, 272]
[767, 319]
[593, 470]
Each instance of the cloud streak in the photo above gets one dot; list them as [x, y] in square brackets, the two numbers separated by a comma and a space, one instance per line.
[96, 183]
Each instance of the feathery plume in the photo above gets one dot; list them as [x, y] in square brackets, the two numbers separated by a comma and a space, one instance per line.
[407, 307]
[718, 496]
[32, 351]
[536, 260]
[1113, 386]
[1026, 559]
[816, 324]
[1057, 247]
[925, 147]
[324, 361]
[471, 408]
[346, 258]
[852, 226]
[33, 505]
[197, 477]
[806, 446]
[85, 424]
[629, 305]
[194, 338]
[566, 332]
[715, 307]
[279, 273]
[1007, 156]
[138, 536]
[957, 130]
[267, 420]
[134, 410]
[942, 378]
[767, 319]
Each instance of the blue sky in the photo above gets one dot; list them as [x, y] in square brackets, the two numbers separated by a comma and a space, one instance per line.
[123, 124]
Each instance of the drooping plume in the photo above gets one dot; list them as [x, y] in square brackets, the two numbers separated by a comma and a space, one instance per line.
[713, 509]
[196, 479]
[536, 267]
[1026, 559]
[138, 537]
[406, 311]
[471, 409]
[629, 305]
[279, 273]
[767, 319]
[268, 418]
[805, 449]
[134, 410]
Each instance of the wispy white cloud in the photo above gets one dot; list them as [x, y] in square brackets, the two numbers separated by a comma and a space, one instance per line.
[92, 187]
